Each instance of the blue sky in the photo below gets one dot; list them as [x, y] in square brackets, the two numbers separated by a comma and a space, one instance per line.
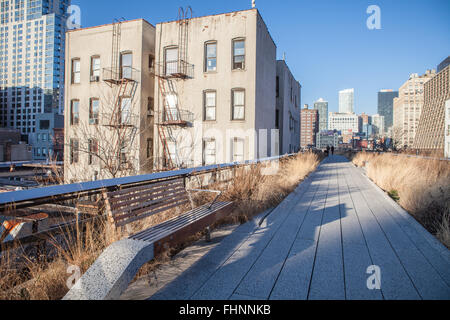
[327, 43]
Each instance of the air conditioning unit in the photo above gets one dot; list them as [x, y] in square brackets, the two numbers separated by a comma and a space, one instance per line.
[95, 78]
[150, 113]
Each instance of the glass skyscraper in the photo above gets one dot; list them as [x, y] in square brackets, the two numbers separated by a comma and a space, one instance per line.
[347, 101]
[386, 107]
[322, 106]
[32, 45]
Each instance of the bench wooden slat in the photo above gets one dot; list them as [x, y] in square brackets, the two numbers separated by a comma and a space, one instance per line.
[143, 199]
[113, 194]
[146, 215]
[124, 214]
[168, 227]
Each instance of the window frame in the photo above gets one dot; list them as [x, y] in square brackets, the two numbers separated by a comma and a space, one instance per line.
[94, 120]
[233, 55]
[72, 113]
[205, 107]
[74, 152]
[205, 141]
[235, 141]
[73, 72]
[122, 66]
[92, 70]
[171, 61]
[92, 153]
[233, 106]
[207, 59]
[122, 122]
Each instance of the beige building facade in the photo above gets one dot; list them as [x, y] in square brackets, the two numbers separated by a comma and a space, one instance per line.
[408, 108]
[287, 114]
[215, 90]
[109, 97]
[430, 136]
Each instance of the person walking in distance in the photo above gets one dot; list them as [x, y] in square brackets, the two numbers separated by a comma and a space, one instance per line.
[332, 150]
[328, 151]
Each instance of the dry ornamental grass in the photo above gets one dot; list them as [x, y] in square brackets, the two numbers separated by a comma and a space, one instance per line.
[422, 185]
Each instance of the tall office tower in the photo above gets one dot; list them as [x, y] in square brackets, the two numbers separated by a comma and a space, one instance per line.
[386, 107]
[378, 124]
[430, 135]
[408, 107]
[347, 101]
[322, 106]
[32, 42]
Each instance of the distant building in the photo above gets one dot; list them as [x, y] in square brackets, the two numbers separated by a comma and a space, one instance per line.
[327, 138]
[347, 101]
[443, 64]
[378, 124]
[309, 124]
[408, 107]
[344, 122]
[322, 107]
[447, 129]
[430, 135]
[287, 116]
[386, 106]
[364, 119]
[32, 68]
[367, 130]
[12, 148]
[42, 141]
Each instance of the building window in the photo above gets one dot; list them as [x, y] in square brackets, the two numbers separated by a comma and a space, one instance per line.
[209, 99]
[74, 112]
[74, 147]
[238, 150]
[209, 152]
[93, 111]
[95, 69]
[238, 54]
[125, 110]
[171, 61]
[76, 71]
[210, 56]
[93, 150]
[126, 65]
[238, 104]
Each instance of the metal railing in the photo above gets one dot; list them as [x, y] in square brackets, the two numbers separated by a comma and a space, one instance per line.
[11, 201]
[38, 196]
[174, 69]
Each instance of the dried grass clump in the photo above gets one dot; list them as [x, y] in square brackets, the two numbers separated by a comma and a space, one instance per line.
[422, 185]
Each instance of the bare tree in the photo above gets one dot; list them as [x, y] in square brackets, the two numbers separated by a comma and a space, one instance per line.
[110, 136]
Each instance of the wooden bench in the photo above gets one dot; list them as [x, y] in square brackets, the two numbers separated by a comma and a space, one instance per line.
[120, 262]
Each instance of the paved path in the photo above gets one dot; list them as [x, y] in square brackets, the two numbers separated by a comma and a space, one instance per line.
[318, 244]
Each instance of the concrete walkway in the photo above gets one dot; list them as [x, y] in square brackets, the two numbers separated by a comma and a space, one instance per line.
[319, 244]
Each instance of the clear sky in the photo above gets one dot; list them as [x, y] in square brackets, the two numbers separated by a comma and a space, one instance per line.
[327, 43]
